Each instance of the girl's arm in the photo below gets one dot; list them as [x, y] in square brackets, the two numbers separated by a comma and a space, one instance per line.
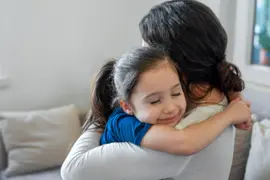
[186, 141]
[195, 137]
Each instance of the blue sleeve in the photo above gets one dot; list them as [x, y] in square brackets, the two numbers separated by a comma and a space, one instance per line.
[124, 128]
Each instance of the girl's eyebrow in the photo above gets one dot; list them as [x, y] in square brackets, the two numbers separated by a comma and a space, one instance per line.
[157, 93]
[152, 94]
[176, 85]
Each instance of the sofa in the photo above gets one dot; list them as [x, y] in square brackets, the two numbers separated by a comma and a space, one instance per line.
[28, 153]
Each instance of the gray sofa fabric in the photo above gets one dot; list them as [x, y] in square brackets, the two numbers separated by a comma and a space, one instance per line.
[51, 174]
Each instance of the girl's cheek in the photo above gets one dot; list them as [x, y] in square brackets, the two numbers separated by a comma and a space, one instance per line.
[146, 115]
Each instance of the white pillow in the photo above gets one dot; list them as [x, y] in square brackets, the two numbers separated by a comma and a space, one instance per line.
[258, 163]
[39, 140]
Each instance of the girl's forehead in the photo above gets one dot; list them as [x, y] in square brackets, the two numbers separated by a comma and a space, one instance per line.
[159, 78]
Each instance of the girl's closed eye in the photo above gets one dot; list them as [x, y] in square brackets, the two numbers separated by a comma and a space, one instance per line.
[176, 94]
[176, 91]
[155, 101]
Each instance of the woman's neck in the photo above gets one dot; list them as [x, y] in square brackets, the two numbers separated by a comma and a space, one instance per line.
[212, 97]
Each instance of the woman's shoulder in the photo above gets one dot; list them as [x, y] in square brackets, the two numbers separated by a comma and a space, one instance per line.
[201, 113]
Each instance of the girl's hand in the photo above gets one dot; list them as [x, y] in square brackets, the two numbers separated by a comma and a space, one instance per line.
[247, 125]
[238, 111]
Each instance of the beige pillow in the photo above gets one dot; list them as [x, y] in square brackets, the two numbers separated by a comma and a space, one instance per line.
[39, 140]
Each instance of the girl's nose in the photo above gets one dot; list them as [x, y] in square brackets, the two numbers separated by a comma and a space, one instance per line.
[169, 108]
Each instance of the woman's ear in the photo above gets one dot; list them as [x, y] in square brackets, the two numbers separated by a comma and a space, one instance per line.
[126, 107]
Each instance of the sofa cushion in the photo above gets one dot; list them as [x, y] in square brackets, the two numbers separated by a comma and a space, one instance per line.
[258, 164]
[39, 140]
[51, 174]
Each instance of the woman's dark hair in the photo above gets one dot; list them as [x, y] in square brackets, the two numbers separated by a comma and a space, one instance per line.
[196, 41]
[117, 79]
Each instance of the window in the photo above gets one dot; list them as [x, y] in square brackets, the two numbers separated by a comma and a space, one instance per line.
[252, 40]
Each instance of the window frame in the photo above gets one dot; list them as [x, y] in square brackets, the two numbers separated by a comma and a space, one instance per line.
[244, 20]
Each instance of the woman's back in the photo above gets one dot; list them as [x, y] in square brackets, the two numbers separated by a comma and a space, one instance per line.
[213, 162]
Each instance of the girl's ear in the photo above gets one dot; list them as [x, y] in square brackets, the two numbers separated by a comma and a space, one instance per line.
[126, 107]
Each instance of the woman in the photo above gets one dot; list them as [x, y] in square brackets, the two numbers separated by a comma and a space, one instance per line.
[191, 33]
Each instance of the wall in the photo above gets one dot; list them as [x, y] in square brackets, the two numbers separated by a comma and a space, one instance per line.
[51, 49]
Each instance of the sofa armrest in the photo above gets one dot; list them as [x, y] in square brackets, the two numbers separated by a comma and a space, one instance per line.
[3, 154]
[241, 153]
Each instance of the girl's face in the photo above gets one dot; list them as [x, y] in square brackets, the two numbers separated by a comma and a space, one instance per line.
[158, 97]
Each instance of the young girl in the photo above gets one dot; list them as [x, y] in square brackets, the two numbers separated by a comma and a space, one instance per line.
[143, 89]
